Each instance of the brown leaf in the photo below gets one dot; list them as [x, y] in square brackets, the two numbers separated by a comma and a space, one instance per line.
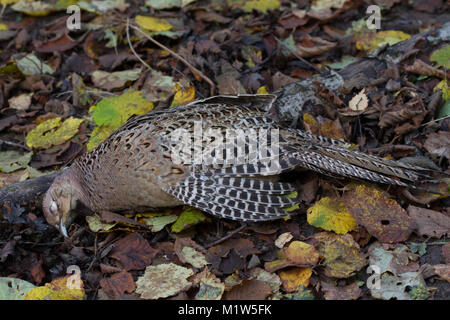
[7, 250]
[429, 222]
[37, 272]
[133, 252]
[446, 252]
[383, 218]
[443, 271]
[118, 284]
[59, 44]
[438, 144]
[350, 292]
[249, 290]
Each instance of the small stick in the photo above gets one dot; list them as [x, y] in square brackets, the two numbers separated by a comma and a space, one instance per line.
[227, 236]
[131, 46]
[176, 55]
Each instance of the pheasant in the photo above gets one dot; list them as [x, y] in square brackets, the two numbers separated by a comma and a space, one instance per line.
[145, 164]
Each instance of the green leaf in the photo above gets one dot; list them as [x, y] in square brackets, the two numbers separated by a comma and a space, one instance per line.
[188, 218]
[442, 56]
[110, 113]
[14, 289]
[12, 160]
[30, 65]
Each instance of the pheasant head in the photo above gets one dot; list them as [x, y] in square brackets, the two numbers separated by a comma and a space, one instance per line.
[60, 201]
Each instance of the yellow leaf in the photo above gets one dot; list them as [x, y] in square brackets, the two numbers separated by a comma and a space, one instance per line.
[262, 90]
[261, 5]
[301, 253]
[35, 8]
[183, 96]
[153, 24]
[372, 40]
[331, 214]
[6, 2]
[69, 287]
[293, 278]
[443, 86]
[52, 132]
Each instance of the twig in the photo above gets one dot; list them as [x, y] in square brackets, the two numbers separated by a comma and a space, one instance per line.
[309, 64]
[131, 47]
[13, 144]
[176, 55]
[227, 236]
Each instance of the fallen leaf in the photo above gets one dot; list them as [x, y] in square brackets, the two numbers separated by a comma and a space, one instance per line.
[370, 41]
[114, 80]
[52, 132]
[188, 218]
[331, 214]
[118, 284]
[359, 102]
[133, 252]
[350, 292]
[110, 113]
[283, 239]
[429, 222]
[249, 290]
[20, 102]
[293, 278]
[383, 218]
[163, 280]
[14, 289]
[58, 289]
[210, 287]
[342, 256]
[153, 24]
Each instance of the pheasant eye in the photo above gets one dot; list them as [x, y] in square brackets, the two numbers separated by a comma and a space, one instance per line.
[53, 207]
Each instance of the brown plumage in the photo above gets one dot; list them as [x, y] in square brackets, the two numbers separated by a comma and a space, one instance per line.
[135, 166]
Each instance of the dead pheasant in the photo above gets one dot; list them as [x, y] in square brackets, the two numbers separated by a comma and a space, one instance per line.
[135, 167]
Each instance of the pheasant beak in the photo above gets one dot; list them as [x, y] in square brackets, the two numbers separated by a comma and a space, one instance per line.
[62, 228]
